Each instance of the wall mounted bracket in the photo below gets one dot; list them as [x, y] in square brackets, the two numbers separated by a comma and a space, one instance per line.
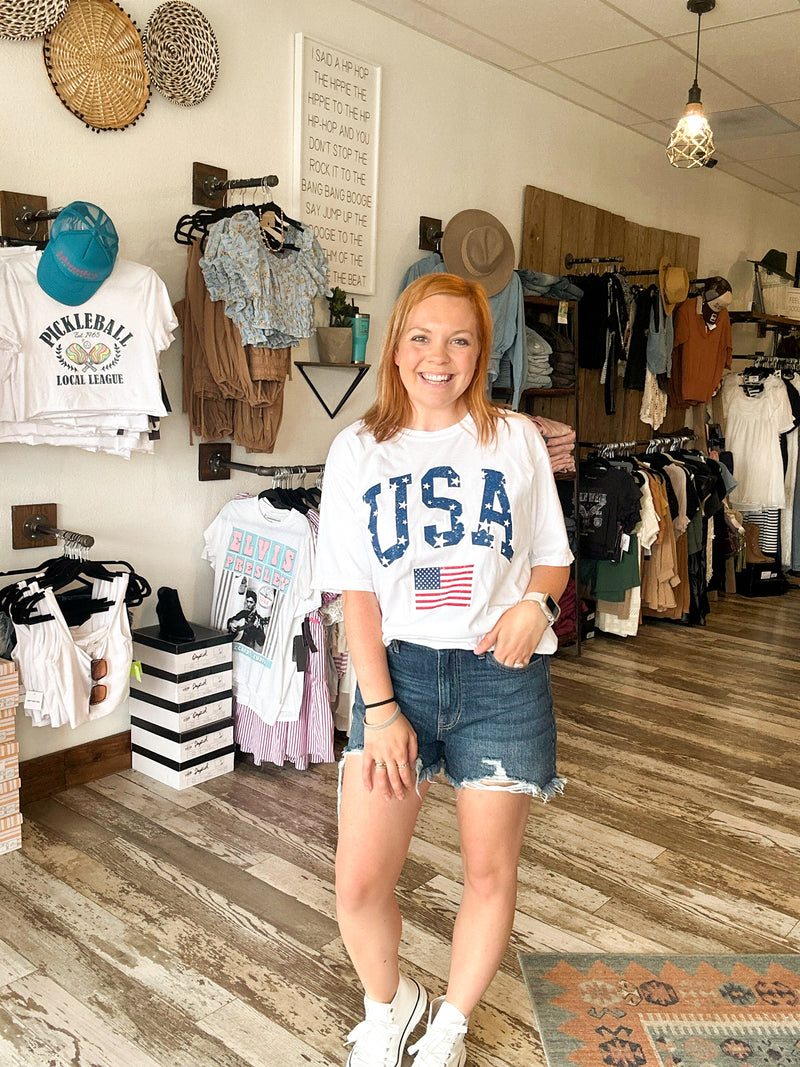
[15, 208]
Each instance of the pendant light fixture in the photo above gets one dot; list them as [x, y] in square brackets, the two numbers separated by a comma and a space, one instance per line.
[692, 142]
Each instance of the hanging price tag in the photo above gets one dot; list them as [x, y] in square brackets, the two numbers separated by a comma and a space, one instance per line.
[136, 670]
[563, 308]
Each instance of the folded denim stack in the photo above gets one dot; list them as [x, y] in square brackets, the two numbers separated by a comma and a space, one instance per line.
[538, 353]
[562, 359]
[559, 287]
[560, 441]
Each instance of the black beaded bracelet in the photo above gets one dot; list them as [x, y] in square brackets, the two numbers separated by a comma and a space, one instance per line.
[379, 703]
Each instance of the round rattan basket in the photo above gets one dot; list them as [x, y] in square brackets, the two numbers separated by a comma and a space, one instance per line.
[181, 52]
[95, 61]
[22, 20]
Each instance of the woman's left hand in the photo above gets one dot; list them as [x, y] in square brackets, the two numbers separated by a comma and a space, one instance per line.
[516, 635]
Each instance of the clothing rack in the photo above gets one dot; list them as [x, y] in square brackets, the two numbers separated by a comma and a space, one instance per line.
[570, 260]
[776, 362]
[213, 186]
[669, 441]
[36, 526]
[26, 220]
[217, 461]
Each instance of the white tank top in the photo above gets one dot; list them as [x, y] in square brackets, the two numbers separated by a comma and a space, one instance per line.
[82, 672]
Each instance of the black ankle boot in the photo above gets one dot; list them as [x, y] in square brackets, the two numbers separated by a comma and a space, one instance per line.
[173, 624]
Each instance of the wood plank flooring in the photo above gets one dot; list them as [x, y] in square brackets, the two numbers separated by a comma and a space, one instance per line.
[141, 927]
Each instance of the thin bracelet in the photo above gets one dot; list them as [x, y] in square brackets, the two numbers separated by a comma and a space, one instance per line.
[385, 723]
[379, 703]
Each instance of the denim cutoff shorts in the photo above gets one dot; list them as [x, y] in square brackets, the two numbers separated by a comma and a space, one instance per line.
[485, 725]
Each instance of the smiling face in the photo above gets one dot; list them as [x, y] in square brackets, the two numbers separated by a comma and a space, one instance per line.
[436, 358]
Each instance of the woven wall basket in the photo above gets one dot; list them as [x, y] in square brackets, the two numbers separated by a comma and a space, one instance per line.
[181, 52]
[95, 61]
[24, 19]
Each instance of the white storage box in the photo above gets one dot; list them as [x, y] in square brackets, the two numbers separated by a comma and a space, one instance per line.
[208, 649]
[181, 717]
[154, 740]
[791, 308]
[183, 775]
[180, 689]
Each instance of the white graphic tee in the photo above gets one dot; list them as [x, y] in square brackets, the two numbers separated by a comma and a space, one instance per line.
[100, 357]
[444, 533]
[263, 560]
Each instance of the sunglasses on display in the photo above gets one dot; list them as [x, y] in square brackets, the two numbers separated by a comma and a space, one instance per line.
[99, 692]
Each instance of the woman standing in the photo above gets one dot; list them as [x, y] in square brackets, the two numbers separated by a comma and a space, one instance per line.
[440, 522]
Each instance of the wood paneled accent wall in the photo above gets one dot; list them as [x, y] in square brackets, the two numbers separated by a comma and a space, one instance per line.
[554, 226]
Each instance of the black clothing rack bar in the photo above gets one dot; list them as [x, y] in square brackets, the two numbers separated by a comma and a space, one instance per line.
[36, 526]
[650, 270]
[213, 185]
[570, 260]
[213, 460]
[26, 220]
[676, 438]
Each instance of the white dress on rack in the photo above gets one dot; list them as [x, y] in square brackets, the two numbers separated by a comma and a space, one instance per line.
[753, 425]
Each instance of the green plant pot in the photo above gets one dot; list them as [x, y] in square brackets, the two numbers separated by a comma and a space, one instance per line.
[334, 344]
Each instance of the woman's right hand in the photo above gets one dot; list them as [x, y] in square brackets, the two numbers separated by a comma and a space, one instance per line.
[390, 757]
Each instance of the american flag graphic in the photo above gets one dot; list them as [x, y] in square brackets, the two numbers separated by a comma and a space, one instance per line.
[439, 587]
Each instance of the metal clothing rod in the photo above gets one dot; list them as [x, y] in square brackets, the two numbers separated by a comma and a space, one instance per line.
[217, 462]
[570, 260]
[36, 526]
[26, 219]
[649, 271]
[213, 185]
[652, 443]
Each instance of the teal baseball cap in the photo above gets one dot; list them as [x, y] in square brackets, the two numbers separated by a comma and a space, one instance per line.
[79, 255]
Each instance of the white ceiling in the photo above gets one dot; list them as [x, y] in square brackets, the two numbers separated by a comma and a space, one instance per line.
[632, 61]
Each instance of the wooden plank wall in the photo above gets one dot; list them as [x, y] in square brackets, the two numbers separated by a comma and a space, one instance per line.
[553, 226]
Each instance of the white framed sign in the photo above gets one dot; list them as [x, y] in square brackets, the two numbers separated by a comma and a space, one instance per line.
[337, 111]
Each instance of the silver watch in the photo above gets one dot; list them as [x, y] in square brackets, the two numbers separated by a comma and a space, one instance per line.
[547, 603]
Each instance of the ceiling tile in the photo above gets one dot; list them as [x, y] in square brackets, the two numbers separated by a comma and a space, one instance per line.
[783, 169]
[760, 54]
[751, 148]
[759, 123]
[650, 78]
[441, 27]
[656, 131]
[754, 177]
[671, 18]
[550, 79]
[789, 108]
[545, 30]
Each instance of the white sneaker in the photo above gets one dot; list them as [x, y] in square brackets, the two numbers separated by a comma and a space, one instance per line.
[379, 1040]
[442, 1045]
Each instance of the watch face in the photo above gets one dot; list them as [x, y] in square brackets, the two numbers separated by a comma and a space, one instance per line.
[552, 606]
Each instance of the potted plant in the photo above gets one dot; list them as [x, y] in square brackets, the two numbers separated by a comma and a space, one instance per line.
[335, 341]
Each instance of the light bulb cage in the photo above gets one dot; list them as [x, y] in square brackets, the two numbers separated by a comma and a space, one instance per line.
[691, 143]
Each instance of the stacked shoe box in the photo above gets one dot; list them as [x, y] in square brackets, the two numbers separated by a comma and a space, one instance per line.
[182, 706]
[10, 816]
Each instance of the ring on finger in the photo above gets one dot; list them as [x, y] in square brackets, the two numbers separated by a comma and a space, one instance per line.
[520, 664]
[402, 765]
[380, 764]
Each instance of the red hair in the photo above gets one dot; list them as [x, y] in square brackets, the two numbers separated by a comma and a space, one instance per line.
[392, 411]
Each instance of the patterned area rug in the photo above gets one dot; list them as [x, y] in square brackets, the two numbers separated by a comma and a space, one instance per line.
[666, 1011]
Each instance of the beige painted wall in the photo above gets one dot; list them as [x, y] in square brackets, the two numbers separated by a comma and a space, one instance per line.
[455, 134]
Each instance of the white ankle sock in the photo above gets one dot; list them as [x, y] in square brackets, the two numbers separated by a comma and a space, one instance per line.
[447, 1014]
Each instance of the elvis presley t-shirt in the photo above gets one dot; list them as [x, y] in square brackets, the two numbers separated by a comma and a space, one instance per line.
[444, 531]
[263, 559]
